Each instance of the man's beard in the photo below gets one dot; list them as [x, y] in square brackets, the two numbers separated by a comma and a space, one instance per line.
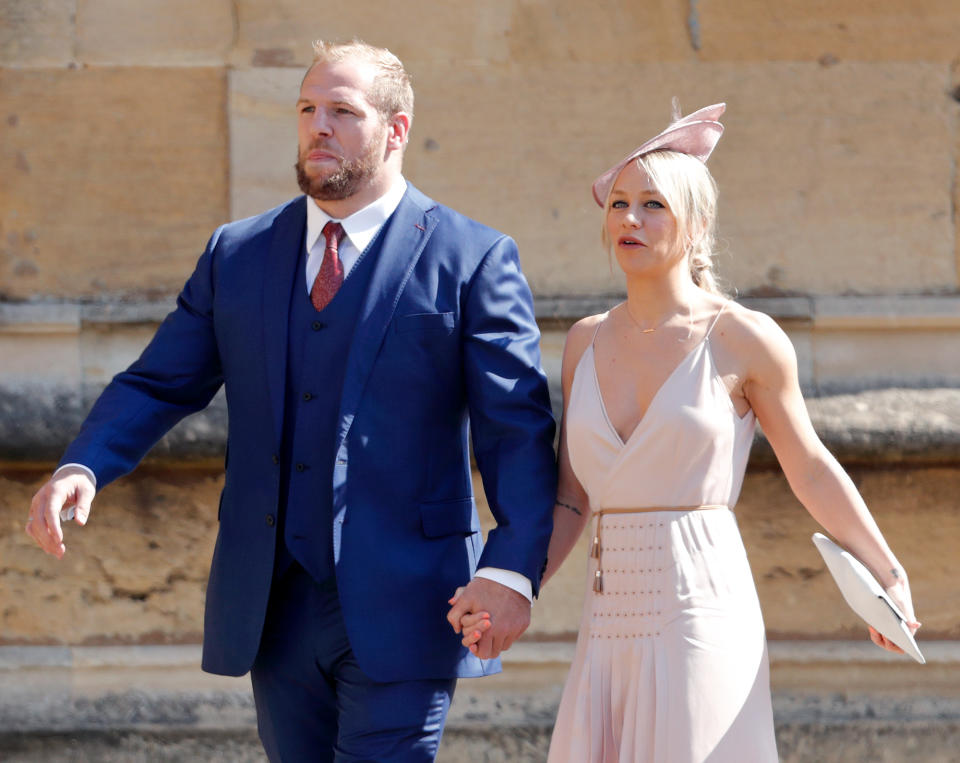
[346, 180]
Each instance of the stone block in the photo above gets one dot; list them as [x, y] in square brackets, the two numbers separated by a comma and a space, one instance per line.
[114, 179]
[848, 30]
[880, 358]
[263, 138]
[154, 32]
[37, 33]
[278, 33]
[827, 198]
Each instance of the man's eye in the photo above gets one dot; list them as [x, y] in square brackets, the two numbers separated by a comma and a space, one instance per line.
[344, 111]
[307, 110]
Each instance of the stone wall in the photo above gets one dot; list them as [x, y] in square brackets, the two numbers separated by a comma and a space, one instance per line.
[131, 129]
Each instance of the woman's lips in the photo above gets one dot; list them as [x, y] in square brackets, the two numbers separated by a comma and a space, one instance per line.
[630, 241]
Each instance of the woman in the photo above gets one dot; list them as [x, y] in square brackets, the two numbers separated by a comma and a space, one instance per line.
[661, 397]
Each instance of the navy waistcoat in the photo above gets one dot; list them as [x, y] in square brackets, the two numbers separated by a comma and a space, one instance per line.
[319, 343]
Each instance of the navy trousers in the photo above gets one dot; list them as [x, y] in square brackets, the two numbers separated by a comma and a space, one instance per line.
[313, 701]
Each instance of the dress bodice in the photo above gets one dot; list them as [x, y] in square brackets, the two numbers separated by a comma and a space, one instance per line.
[689, 449]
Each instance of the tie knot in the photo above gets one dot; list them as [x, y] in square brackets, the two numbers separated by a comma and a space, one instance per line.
[333, 233]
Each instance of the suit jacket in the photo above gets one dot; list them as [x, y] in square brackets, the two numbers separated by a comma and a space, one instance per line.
[446, 339]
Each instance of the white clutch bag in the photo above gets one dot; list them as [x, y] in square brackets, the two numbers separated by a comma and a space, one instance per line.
[865, 595]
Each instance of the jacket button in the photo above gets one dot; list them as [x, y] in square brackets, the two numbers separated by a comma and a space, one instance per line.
[270, 520]
[316, 325]
[275, 458]
[307, 396]
[300, 467]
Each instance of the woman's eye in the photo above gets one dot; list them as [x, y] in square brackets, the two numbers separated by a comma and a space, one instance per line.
[654, 204]
[618, 205]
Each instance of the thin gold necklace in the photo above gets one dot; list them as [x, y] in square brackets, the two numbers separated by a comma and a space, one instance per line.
[662, 323]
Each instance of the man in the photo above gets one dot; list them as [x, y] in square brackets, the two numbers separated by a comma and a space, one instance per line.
[357, 330]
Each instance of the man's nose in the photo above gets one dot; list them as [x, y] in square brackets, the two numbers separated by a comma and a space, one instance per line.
[320, 124]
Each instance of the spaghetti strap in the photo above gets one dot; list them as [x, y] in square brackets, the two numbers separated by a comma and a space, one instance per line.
[716, 318]
[596, 331]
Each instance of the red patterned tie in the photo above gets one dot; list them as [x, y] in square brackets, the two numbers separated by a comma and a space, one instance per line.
[330, 277]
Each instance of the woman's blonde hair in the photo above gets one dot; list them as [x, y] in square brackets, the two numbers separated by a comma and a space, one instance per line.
[691, 193]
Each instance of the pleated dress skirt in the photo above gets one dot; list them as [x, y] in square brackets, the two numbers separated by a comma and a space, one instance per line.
[671, 661]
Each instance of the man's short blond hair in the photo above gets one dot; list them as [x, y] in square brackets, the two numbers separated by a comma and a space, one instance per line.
[392, 92]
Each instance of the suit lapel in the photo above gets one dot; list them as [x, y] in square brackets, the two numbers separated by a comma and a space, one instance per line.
[404, 237]
[279, 277]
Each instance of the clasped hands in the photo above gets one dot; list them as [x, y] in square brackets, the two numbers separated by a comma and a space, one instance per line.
[489, 615]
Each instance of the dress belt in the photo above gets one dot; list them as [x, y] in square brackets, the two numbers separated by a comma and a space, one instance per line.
[596, 548]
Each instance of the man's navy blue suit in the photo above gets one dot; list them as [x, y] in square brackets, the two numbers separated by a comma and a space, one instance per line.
[444, 342]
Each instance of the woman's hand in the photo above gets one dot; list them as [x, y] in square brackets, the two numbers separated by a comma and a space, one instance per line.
[900, 593]
[472, 625]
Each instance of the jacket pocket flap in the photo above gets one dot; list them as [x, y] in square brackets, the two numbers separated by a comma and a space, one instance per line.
[425, 322]
[441, 518]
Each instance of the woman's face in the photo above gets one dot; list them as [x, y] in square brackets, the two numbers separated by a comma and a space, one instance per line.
[641, 228]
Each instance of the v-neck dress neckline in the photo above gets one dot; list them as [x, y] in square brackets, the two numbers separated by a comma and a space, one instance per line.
[689, 448]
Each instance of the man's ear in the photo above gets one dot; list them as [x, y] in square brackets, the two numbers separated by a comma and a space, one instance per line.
[398, 129]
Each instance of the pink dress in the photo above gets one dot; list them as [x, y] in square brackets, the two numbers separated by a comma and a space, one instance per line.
[671, 661]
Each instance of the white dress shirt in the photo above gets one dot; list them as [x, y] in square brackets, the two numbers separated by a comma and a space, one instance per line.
[361, 228]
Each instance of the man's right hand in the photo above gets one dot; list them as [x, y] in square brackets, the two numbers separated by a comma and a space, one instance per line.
[67, 487]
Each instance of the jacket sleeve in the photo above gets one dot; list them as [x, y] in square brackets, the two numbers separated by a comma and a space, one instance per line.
[511, 421]
[177, 374]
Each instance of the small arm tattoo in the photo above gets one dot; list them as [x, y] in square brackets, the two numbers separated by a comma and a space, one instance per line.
[574, 509]
[896, 573]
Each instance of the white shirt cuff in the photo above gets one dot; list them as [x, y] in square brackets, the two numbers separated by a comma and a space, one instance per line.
[518, 582]
[85, 469]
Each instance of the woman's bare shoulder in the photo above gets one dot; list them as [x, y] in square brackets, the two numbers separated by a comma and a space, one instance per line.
[755, 337]
[580, 336]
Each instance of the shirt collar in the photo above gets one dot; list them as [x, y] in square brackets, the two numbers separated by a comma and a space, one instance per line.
[362, 225]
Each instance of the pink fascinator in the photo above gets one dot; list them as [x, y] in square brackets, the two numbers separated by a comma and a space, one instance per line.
[695, 134]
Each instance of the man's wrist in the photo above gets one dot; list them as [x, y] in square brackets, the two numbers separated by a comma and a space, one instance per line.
[85, 470]
[514, 580]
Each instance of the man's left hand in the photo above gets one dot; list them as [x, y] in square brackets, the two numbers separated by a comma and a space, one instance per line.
[509, 614]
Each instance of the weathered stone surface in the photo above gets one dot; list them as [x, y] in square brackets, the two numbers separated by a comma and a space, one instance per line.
[154, 32]
[955, 113]
[103, 192]
[275, 33]
[136, 573]
[832, 218]
[845, 30]
[37, 32]
[263, 138]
